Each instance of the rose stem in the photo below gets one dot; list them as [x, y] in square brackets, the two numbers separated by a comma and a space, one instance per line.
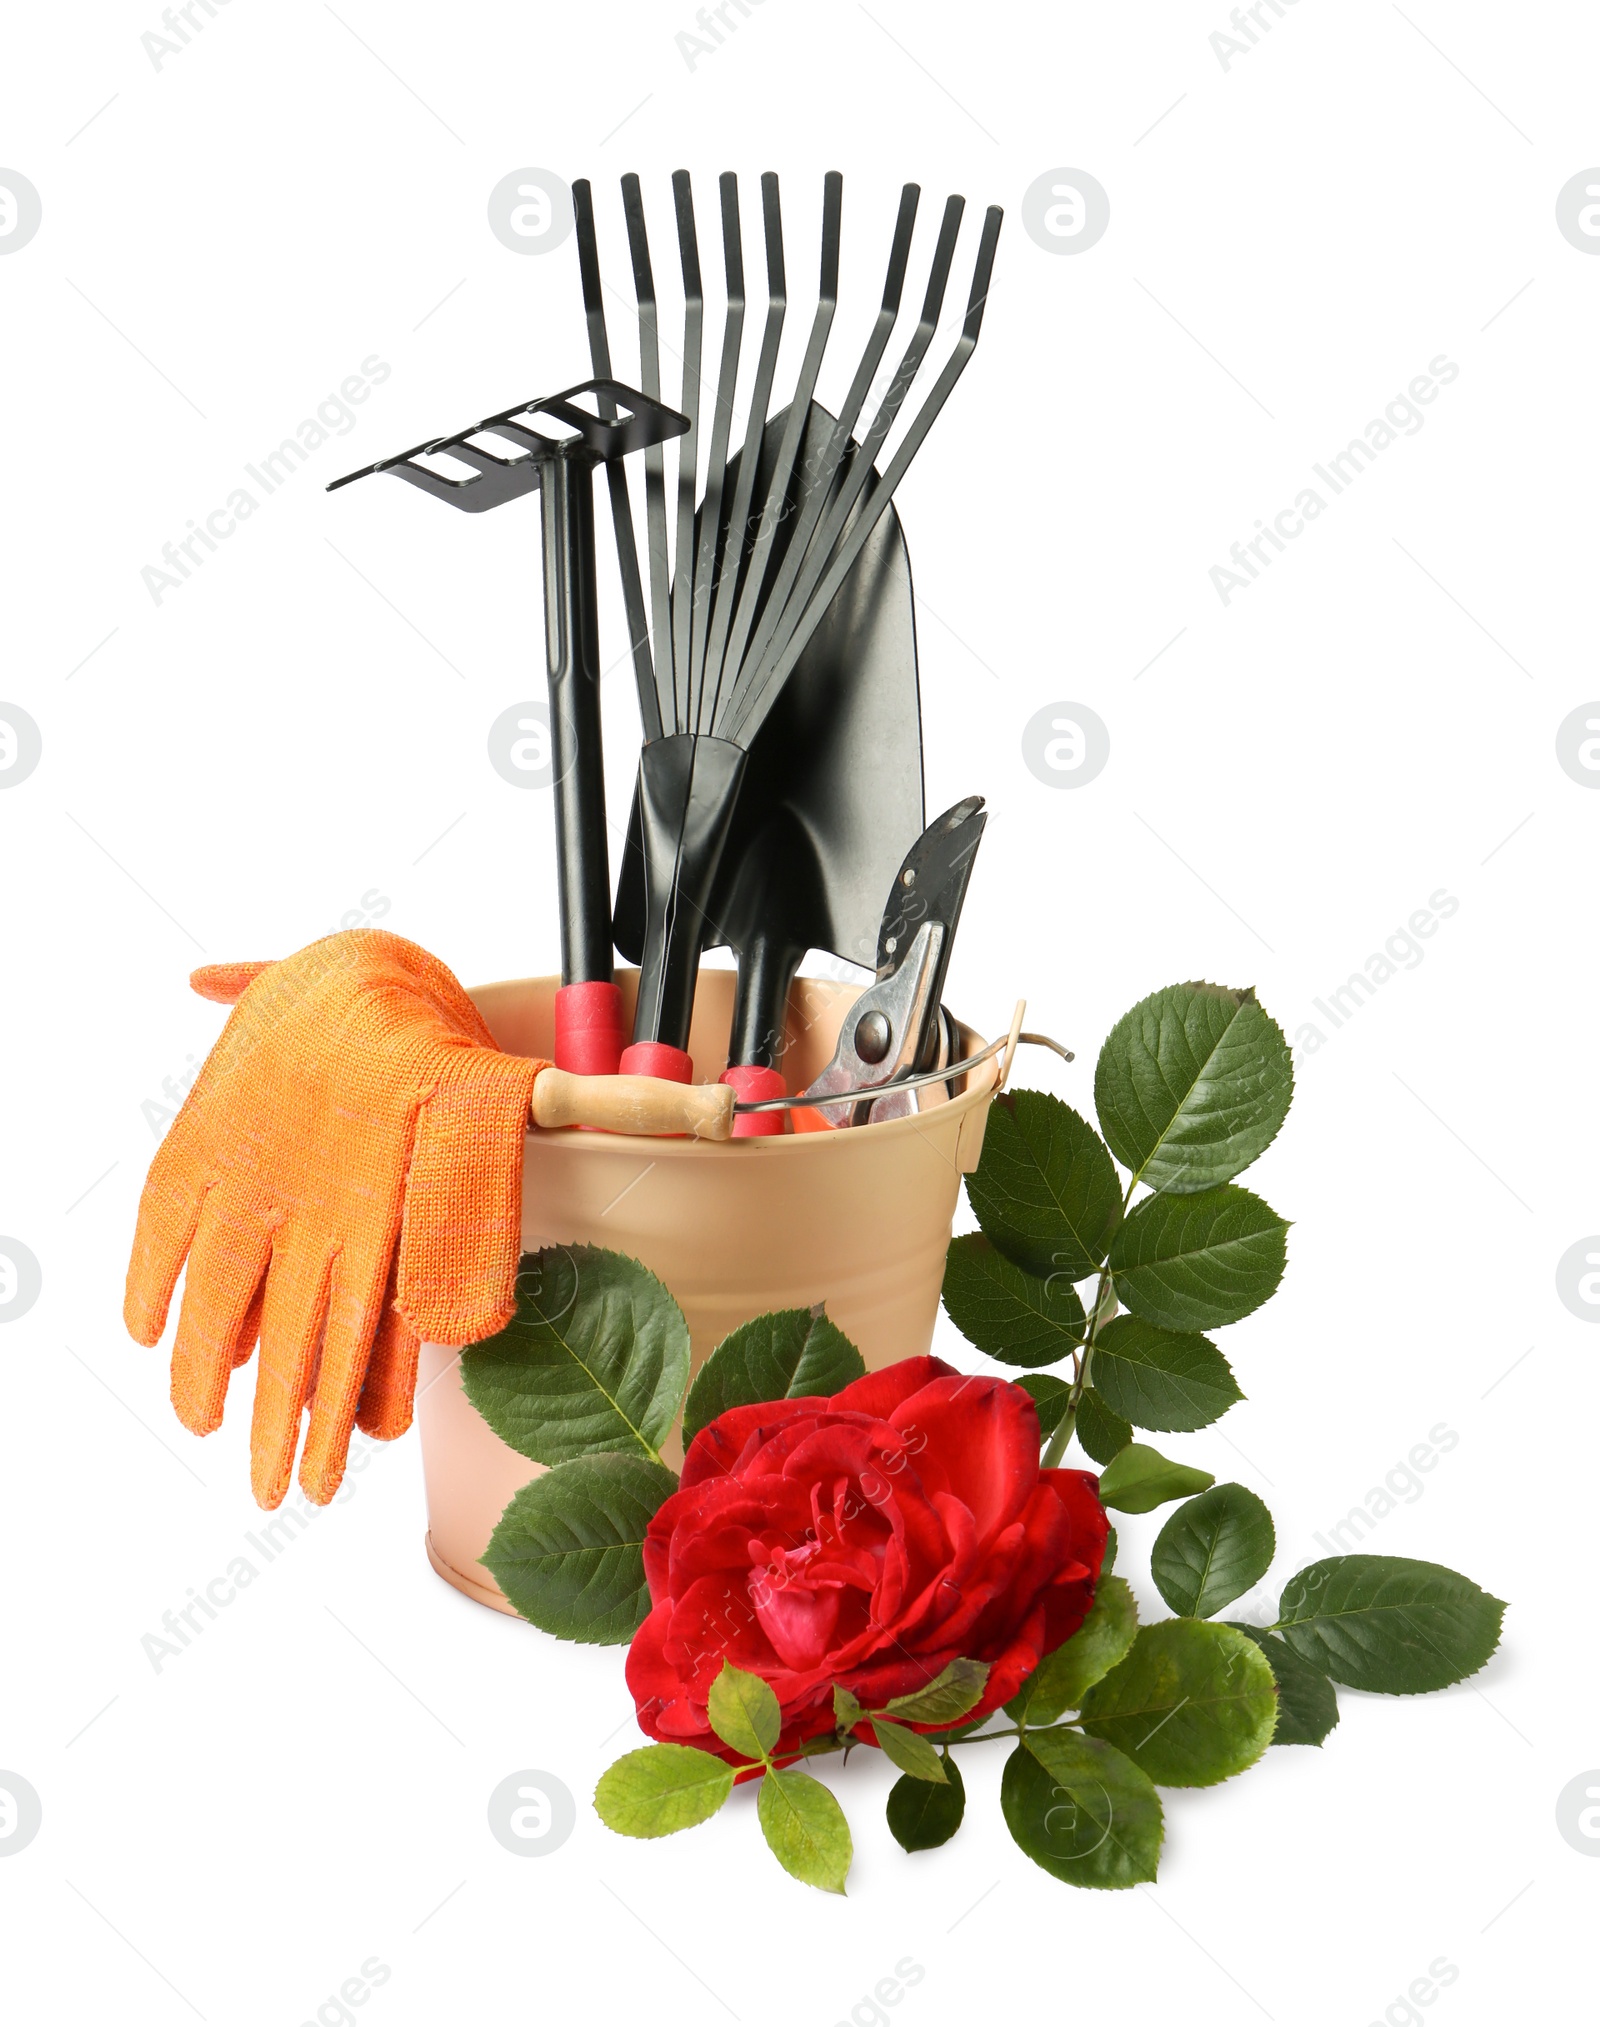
[1062, 1433]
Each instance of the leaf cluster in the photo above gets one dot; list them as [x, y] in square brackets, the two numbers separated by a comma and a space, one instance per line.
[1103, 1290]
[588, 1378]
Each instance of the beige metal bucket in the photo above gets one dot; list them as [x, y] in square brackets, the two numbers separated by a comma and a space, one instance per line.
[859, 1219]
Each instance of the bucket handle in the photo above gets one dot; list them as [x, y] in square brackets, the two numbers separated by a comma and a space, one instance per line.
[1015, 1035]
[1006, 1042]
[653, 1106]
[1012, 1038]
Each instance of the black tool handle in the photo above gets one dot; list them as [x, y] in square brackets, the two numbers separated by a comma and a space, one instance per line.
[688, 784]
[767, 968]
[583, 872]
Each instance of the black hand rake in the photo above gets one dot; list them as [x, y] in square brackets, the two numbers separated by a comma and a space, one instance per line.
[506, 457]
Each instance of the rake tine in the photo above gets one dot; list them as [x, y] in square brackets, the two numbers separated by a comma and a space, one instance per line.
[518, 433]
[416, 475]
[815, 561]
[725, 589]
[794, 427]
[877, 504]
[479, 456]
[707, 560]
[689, 445]
[655, 468]
[616, 475]
[820, 478]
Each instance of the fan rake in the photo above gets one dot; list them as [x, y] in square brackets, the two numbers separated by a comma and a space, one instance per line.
[749, 578]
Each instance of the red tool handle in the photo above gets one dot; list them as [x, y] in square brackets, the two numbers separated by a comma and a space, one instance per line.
[753, 1081]
[590, 1030]
[657, 1059]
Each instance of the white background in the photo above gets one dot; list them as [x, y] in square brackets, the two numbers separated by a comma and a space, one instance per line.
[226, 773]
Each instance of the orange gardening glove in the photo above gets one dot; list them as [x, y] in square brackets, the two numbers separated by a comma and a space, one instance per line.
[344, 1178]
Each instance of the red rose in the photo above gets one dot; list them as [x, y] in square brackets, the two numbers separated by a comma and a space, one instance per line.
[868, 1539]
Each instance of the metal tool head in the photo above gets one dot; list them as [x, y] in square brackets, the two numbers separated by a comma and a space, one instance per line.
[833, 788]
[897, 1028]
[882, 1032]
[833, 550]
[495, 478]
[931, 885]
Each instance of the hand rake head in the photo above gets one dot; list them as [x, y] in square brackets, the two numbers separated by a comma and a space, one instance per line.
[495, 478]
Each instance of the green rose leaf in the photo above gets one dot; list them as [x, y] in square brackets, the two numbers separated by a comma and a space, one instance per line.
[1004, 1310]
[1194, 1262]
[569, 1549]
[1192, 1085]
[1049, 1396]
[1082, 1810]
[1192, 1703]
[805, 1828]
[846, 1711]
[1308, 1709]
[1212, 1550]
[1101, 1431]
[743, 1712]
[662, 1788]
[1162, 1379]
[908, 1750]
[1108, 1561]
[596, 1358]
[946, 1699]
[1139, 1479]
[1386, 1623]
[786, 1355]
[923, 1814]
[1063, 1679]
[1045, 1190]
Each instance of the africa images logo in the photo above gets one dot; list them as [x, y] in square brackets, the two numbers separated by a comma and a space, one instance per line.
[1402, 417]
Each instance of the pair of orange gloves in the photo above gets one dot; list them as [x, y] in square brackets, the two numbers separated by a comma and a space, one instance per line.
[344, 1180]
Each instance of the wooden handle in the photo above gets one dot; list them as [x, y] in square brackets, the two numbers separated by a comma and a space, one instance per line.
[633, 1105]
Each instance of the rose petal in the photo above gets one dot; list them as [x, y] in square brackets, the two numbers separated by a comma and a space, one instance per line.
[798, 1620]
[879, 1393]
[717, 1450]
[985, 1449]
